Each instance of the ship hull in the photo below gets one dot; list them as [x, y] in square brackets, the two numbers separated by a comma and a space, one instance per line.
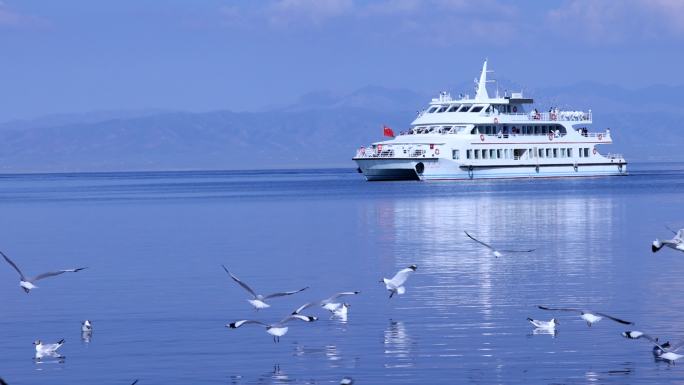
[393, 169]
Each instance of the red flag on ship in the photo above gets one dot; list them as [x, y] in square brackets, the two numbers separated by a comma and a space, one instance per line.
[387, 131]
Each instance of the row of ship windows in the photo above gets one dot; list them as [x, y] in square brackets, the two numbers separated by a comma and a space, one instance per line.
[556, 129]
[457, 108]
[521, 153]
[505, 108]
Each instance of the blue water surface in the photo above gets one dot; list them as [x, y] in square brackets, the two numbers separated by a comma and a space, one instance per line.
[159, 299]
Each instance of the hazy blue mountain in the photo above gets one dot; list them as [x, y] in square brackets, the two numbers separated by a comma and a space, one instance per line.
[322, 129]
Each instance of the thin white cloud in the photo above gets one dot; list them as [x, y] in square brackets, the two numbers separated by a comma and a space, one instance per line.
[432, 22]
[286, 12]
[607, 22]
[10, 18]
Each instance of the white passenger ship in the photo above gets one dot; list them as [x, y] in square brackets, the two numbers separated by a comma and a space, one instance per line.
[485, 137]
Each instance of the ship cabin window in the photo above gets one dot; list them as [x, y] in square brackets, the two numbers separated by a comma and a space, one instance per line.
[469, 154]
[541, 153]
[581, 153]
[586, 152]
[498, 154]
[484, 154]
[446, 129]
[465, 107]
[453, 108]
[548, 152]
[433, 109]
[443, 108]
[455, 154]
[488, 109]
[563, 152]
[569, 152]
[476, 109]
[555, 153]
[492, 154]
[477, 154]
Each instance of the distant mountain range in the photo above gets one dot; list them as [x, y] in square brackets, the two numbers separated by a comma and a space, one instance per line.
[322, 129]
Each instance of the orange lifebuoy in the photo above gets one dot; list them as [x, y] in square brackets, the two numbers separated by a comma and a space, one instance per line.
[482, 137]
[496, 120]
[437, 151]
[379, 147]
[553, 116]
[550, 135]
[600, 136]
[594, 151]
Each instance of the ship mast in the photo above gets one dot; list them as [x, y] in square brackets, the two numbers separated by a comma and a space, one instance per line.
[482, 84]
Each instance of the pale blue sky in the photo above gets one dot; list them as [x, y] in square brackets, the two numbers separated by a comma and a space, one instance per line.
[84, 55]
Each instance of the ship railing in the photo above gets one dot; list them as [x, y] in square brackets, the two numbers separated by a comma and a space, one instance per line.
[614, 156]
[506, 136]
[403, 151]
[564, 116]
[597, 135]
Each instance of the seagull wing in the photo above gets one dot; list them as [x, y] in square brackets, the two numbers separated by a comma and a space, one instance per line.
[244, 285]
[679, 236]
[13, 265]
[670, 228]
[613, 318]
[338, 295]
[237, 324]
[305, 306]
[54, 273]
[300, 317]
[517, 251]
[400, 277]
[478, 241]
[643, 335]
[284, 293]
[560, 309]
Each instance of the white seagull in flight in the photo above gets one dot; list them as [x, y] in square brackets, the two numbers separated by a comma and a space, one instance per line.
[676, 243]
[259, 300]
[28, 283]
[495, 252]
[277, 329]
[396, 284]
[336, 308]
[664, 351]
[591, 317]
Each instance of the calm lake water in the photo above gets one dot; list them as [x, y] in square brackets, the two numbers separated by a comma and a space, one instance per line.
[159, 299]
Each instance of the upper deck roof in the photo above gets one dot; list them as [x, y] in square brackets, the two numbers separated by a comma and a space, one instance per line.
[482, 109]
[481, 95]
